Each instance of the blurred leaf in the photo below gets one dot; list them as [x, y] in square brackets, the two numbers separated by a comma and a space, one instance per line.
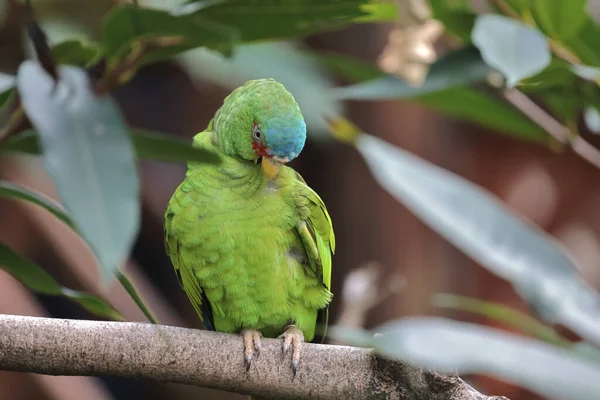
[29, 274]
[458, 21]
[26, 141]
[129, 288]
[89, 154]
[478, 107]
[516, 50]
[464, 348]
[6, 82]
[592, 119]
[564, 102]
[295, 68]
[560, 19]
[5, 97]
[458, 68]
[75, 52]
[519, 6]
[13, 191]
[125, 24]
[460, 102]
[38, 280]
[378, 11]
[148, 145]
[350, 68]
[477, 223]
[557, 73]
[280, 19]
[586, 44]
[586, 72]
[502, 313]
[160, 147]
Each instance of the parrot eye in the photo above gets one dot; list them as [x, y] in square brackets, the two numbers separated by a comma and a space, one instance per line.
[256, 133]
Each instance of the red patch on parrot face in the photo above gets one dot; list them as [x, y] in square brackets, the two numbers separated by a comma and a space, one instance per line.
[259, 147]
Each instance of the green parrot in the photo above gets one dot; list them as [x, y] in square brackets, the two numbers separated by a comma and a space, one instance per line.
[250, 241]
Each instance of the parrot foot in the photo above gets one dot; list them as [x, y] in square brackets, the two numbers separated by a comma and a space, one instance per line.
[252, 345]
[292, 338]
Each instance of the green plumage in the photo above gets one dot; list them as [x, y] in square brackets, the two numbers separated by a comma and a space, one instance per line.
[252, 251]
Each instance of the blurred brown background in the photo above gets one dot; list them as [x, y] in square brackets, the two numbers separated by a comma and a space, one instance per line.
[556, 191]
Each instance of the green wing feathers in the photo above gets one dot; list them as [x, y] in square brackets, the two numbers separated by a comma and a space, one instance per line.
[185, 274]
[316, 232]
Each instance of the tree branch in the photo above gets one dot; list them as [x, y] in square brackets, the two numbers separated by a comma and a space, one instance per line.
[171, 354]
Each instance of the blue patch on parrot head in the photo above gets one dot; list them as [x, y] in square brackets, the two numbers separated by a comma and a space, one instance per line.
[285, 135]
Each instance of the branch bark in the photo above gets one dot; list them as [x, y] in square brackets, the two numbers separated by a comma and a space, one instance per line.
[164, 353]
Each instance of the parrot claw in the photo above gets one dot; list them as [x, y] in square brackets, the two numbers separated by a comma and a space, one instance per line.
[292, 339]
[252, 345]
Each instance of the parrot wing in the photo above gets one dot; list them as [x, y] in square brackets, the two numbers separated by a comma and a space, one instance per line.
[185, 275]
[318, 238]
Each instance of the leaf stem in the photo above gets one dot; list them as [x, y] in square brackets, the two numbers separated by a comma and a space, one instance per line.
[557, 130]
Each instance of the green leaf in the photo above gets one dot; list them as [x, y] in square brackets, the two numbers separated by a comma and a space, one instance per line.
[89, 154]
[7, 90]
[13, 191]
[125, 24]
[465, 348]
[502, 313]
[352, 69]
[566, 105]
[458, 21]
[459, 68]
[557, 75]
[476, 106]
[378, 11]
[26, 142]
[160, 147]
[29, 274]
[130, 289]
[516, 50]
[480, 225]
[586, 44]
[38, 280]
[519, 6]
[560, 19]
[75, 52]
[148, 145]
[460, 102]
[280, 19]
[5, 97]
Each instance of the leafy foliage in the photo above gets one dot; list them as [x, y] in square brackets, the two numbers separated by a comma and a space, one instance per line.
[38, 280]
[477, 223]
[86, 147]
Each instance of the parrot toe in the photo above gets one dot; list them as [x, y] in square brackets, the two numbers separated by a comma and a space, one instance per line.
[252, 345]
[292, 339]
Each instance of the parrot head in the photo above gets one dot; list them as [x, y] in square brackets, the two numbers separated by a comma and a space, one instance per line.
[261, 122]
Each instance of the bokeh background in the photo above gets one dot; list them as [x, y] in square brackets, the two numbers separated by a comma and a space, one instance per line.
[558, 192]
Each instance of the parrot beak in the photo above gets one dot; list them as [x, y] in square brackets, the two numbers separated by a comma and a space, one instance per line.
[271, 165]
